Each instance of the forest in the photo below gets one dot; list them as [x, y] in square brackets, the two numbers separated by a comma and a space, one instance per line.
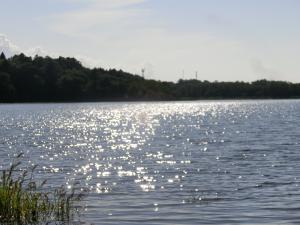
[63, 79]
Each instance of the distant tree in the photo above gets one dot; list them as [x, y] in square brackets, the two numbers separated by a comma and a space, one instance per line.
[2, 56]
[4, 64]
[23, 78]
[71, 84]
[6, 87]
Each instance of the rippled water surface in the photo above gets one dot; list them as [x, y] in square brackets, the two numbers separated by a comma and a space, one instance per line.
[206, 162]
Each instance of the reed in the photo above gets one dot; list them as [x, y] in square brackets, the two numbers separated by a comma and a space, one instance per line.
[25, 201]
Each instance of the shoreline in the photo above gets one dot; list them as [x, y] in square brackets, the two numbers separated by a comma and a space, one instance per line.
[149, 101]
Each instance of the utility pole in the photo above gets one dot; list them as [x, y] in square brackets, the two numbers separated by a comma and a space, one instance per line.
[196, 75]
[143, 72]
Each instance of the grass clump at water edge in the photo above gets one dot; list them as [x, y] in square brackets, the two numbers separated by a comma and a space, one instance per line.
[25, 201]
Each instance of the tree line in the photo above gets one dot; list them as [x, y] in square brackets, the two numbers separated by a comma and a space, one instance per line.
[45, 79]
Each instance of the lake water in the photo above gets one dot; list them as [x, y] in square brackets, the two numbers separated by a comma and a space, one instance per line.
[202, 162]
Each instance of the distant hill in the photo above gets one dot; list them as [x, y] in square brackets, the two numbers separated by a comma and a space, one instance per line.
[45, 79]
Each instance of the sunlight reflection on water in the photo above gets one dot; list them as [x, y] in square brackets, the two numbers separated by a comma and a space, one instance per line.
[165, 163]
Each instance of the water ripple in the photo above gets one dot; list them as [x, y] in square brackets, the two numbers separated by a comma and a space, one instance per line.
[206, 162]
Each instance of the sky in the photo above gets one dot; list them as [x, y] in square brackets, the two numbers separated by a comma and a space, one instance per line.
[225, 40]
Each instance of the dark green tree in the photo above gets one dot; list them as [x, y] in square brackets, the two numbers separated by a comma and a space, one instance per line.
[7, 89]
[2, 56]
[27, 79]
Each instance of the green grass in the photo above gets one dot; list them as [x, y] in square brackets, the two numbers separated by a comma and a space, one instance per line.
[25, 201]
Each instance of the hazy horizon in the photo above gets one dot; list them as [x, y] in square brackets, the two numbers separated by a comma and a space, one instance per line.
[224, 40]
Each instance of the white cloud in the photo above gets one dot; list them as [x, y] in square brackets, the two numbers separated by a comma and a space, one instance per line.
[96, 14]
[89, 62]
[11, 49]
[7, 47]
[38, 51]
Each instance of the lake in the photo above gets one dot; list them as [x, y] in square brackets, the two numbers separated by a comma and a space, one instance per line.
[201, 162]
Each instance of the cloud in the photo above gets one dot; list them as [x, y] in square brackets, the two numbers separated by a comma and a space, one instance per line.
[89, 62]
[95, 15]
[39, 51]
[10, 49]
[7, 47]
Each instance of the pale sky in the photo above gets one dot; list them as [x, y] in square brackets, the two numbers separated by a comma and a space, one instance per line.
[224, 40]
